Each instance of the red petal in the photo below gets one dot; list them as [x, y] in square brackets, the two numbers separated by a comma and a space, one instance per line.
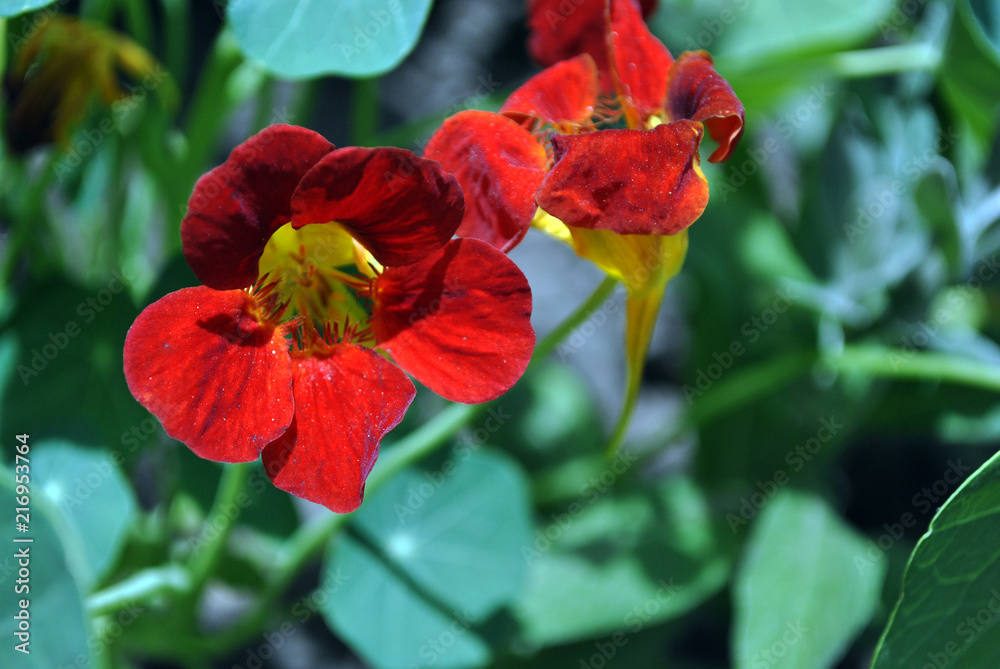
[641, 62]
[628, 181]
[345, 402]
[697, 92]
[563, 29]
[500, 166]
[563, 93]
[238, 205]
[217, 379]
[399, 206]
[460, 321]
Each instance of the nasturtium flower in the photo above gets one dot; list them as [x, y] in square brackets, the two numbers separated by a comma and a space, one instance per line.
[601, 155]
[320, 264]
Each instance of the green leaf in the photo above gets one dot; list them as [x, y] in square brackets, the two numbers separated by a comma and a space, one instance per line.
[57, 627]
[15, 7]
[959, 428]
[308, 38]
[770, 28]
[987, 13]
[619, 563]
[94, 505]
[949, 608]
[381, 617]
[935, 198]
[430, 556]
[768, 251]
[970, 75]
[875, 238]
[801, 593]
[67, 372]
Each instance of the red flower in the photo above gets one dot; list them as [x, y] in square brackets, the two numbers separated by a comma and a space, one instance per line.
[557, 157]
[312, 258]
[552, 144]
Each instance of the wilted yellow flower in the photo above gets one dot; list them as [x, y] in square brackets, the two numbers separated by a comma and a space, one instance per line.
[60, 70]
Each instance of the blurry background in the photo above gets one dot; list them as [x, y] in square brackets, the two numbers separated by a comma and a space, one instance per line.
[823, 375]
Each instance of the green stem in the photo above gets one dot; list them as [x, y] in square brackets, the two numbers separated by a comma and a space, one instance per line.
[364, 111]
[143, 586]
[176, 37]
[859, 64]
[304, 103]
[211, 103]
[25, 198]
[885, 60]
[17, 239]
[264, 114]
[139, 21]
[420, 443]
[99, 11]
[3, 45]
[206, 556]
[574, 320]
[206, 115]
[741, 388]
[746, 386]
[916, 365]
[749, 385]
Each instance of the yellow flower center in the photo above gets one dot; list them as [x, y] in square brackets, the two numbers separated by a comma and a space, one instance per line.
[323, 278]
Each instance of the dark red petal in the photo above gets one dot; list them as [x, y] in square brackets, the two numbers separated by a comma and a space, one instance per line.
[696, 91]
[238, 205]
[641, 63]
[628, 181]
[560, 30]
[345, 402]
[563, 29]
[563, 93]
[500, 166]
[217, 379]
[460, 321]
[399, 206]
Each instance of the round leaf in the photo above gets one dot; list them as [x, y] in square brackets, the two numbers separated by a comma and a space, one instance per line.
[55, 618]
[391, 625]
[969, 74]
[94, 503]
[307, 38]
[15, 7]
[948, 613]
[801, 594]
[433, 554]
[663, 561]
[769, 27]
